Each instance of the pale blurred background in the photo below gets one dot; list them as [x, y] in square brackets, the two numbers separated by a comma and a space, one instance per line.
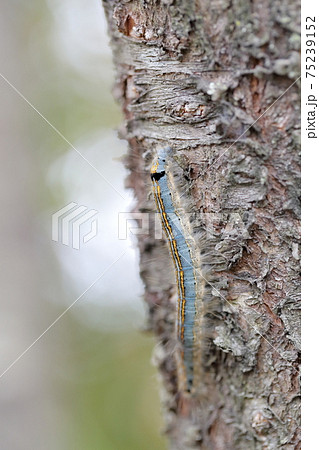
[88, 382]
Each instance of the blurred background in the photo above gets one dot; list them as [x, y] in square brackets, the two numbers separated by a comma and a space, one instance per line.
[87, 382]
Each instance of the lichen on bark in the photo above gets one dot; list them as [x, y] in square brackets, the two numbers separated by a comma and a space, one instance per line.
[198, 76]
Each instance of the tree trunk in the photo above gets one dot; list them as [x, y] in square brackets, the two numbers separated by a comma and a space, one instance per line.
[199, 77]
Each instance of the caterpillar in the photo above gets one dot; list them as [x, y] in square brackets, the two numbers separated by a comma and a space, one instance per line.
[186, 259]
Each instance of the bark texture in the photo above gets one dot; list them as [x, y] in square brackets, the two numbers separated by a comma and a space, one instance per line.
[195, 75]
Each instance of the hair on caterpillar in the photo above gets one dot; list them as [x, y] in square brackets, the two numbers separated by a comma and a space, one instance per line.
[181, 226]
[197, 234]
[189, 401]
[188, 407]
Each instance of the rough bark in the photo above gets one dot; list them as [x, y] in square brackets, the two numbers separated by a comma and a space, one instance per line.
[195, 75]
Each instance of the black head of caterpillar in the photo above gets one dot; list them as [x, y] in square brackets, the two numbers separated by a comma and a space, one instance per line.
[157, 175]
